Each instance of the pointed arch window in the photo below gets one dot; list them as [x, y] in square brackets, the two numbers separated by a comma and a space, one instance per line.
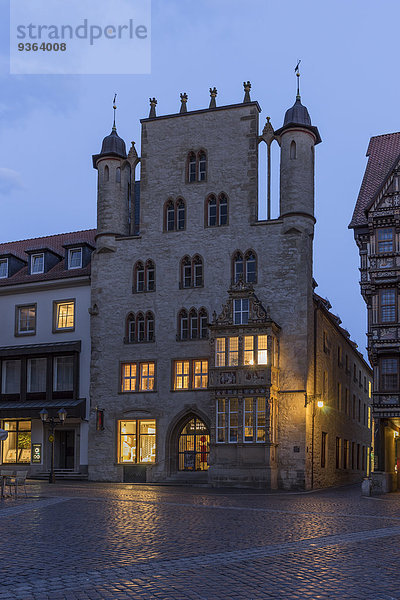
[251, 267]
[237, 266]
[192, 325]
[196, 166]
[118, 175]
[139, 277]
[197, 271]
[245, 267]
[293, 150]
[191, 272]
[202, 161]
[144, 277]
[192, 167]
[175, 215]
[186, 272]
[149, 328]
[139, 328]
[106, 173]
[216, 210]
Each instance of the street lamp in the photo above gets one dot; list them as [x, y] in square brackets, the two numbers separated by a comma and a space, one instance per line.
[52, 422]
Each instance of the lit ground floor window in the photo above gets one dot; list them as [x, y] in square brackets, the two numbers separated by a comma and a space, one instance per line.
[137, 441]
[17, 447]
[193, 446]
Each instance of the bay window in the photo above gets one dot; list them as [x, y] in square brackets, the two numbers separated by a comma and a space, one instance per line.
[36, 375]
[250, 411]
[11, 377]
[63, 373]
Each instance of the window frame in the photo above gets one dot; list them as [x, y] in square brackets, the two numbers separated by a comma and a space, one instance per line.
[382, 240]
[32, 257]
[70, 251]
[55, 373]
[56, 304]
[382, 383]
[190, 375]
[137, 435]
[138, 377]
[2, 262]
[17, 431]
[17, 331]
[388, 306]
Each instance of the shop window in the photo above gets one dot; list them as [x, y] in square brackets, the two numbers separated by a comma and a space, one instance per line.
[64, 315]
[11, 377]
[17, 446]
[25, 320]
[137, 441]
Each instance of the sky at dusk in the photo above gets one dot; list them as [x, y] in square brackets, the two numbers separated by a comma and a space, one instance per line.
[52, 124]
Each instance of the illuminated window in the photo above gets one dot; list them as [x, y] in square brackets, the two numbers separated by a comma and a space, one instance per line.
[385, 240]
[17, 447]
[241, 311]
[190, 374]
[193, 446]
[200, 369]
[146, 383]
[36, 375]
[181, 375]
[63, 374]
[37, 263]
[75, 258]
[249, 350]
[11, 377]
[369, 389]
[221, 420]
[220, 352]
[137, 441]
[233, 408]
[248, 419]
[64, 315]
[26, 320]
[262, 358]
[129, 377]
[3, 268]
[260, 417]
[233, 351]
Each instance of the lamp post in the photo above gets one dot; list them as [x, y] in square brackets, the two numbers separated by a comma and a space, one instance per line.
[52, 422]
[320, 403]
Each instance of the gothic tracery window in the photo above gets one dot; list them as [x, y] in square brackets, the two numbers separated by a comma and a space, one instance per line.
[244, 267]
[174, 215]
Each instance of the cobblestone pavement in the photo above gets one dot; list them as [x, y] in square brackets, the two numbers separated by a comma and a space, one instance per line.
[87, 541]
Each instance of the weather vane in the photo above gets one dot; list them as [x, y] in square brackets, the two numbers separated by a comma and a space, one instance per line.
[297, 71]
[115, 109]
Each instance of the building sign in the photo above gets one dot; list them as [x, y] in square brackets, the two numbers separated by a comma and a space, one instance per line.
[36, 453]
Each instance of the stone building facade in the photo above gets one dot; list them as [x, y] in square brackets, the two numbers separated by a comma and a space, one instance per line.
[376, 227]
[205, 364]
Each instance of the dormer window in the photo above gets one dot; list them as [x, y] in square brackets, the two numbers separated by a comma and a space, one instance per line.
[75, 258]
[3, 268]
[37, 263]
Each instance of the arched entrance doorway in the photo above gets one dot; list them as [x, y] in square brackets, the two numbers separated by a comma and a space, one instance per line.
[193, 446]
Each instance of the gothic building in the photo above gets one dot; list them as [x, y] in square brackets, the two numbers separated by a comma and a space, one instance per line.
[213, 360]
[376, 224]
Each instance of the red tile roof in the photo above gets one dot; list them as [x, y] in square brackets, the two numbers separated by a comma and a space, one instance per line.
[383, 151]
[53, 242]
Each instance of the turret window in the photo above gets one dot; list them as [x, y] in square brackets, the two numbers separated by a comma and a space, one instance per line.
[216, 210]
[175, 215]
[106, 173]
[144, 277]
[293, 150]
[118, 175]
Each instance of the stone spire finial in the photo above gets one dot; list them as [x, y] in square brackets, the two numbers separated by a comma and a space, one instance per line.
[247, 88]
[213, 94]
[132, 152]
[153, 104]
[268, 133]
[184, 99]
